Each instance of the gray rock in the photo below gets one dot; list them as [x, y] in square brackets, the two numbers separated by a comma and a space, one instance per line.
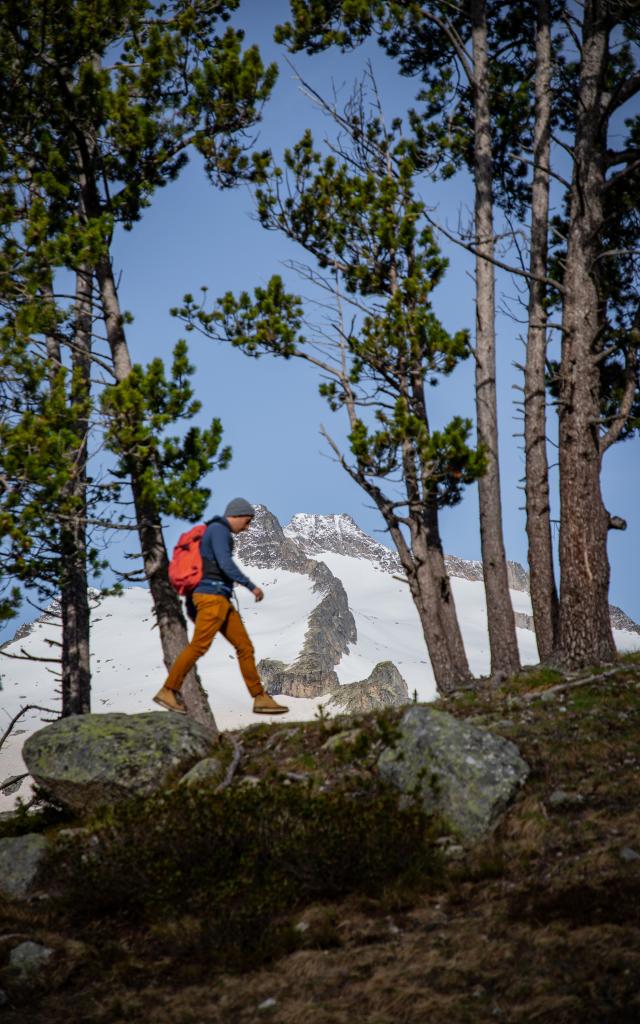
[466, 774]
[620, 620]
[85, 761]
[629, 855]
[4, 998]
[331, 628]
[21, 859]
[28, 958]
[560, 798]
[384, 687]
[342, 740]
[209, 770]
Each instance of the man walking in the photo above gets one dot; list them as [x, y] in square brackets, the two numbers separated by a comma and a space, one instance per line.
[216, 614]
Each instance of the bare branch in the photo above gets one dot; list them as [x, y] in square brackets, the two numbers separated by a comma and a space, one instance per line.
[631, 382]
[491, 259]
[625, 91]
[28, 657]
[235, 761]
[21, 712]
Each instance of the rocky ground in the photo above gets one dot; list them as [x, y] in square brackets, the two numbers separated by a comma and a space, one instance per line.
[540, 922]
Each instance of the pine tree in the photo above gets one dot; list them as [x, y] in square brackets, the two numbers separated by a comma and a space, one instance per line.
[103, 105]
[448, 47]
[584, 61]
[361, 221]
[46, 498]
[598, 376]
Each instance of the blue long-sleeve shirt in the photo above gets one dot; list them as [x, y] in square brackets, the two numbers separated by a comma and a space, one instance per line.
[217, 546]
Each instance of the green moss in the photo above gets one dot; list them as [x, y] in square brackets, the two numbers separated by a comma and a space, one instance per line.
[538, 678]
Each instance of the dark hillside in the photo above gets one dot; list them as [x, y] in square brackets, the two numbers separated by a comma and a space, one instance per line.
[538, 923]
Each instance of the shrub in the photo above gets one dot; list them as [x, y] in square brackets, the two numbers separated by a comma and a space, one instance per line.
[243, 857]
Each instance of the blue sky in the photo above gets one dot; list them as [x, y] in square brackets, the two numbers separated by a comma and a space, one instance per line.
[193, 235]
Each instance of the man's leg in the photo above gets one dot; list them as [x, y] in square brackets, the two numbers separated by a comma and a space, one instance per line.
[212, 610]
[234, 631]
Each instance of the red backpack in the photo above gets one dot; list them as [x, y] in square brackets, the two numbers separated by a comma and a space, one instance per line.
[185, 567]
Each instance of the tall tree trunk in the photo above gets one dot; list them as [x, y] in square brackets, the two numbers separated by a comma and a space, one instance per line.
[74, 591]
[585, 626]
[544, 596]
[445, 604]
[430, 589]
[171, 622]
[449, 673]
[505, 658]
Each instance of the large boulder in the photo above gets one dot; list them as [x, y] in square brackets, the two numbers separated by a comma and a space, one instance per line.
[21, 859]
[466, 774]
[85, 761]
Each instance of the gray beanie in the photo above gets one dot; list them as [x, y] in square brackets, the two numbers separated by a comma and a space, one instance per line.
[239, 507]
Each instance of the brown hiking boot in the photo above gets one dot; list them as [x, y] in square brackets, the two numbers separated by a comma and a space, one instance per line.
[171, 700]
[264, 704]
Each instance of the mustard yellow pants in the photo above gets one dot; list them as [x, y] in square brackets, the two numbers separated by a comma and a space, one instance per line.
[216, 614]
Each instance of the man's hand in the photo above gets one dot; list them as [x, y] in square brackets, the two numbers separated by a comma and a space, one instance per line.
[258, 594]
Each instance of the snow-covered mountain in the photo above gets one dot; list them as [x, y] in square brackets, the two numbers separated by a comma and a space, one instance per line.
[334, 616]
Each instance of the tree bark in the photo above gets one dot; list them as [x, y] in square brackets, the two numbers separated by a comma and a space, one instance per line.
[168, 611]
[505, 659]
[585, 627]
[74, 593]
[430, 590]
[544, 596]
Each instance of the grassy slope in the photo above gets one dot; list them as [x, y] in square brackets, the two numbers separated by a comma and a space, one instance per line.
[541, 923]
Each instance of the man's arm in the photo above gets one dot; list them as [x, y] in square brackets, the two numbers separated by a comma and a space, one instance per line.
[221, 544]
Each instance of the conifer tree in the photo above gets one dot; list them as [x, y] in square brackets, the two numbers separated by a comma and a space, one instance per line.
[356, 213]
[448, 48]
[584, 61]
[46, 498]
[103, 105]
[598, 378]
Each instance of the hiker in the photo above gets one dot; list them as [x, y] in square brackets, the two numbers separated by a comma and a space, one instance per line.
[216, 614]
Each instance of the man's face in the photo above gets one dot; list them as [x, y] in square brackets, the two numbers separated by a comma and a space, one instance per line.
[239, 524]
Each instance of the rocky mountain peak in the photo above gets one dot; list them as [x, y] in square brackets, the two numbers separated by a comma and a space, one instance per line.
[261, 544]
[340, 534]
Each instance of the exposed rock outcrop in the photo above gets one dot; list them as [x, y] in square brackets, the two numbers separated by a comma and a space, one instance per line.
[88, 760]
[210, 770]
[384, 687]
[330, 630]
[265, 546]
[523, 620]
[621, 621]
[21, 860]
[466, 774]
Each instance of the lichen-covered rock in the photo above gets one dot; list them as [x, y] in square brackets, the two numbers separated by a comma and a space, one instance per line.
[28, 958]
[209, 770]
[85, 761]
[384, 687]
[21, 858]
[466, 774]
